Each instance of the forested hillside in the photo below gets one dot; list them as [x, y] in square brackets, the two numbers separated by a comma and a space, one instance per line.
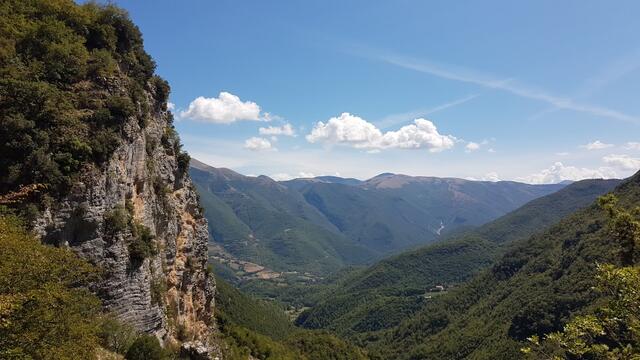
[319, 225]
[535, 288]
[384, 294]
[260, 220]
[262, 329]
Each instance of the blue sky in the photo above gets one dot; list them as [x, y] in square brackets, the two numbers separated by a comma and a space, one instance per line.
[539, 91]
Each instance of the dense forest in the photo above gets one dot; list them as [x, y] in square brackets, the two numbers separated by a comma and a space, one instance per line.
[534, 289]
[384, 294]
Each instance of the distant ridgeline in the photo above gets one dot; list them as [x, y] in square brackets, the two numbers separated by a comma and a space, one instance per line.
[318, 225]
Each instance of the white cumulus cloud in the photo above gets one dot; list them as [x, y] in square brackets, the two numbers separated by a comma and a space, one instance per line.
[352, 130]
[225, 109]
[624, 162]
[472, 146]
[559, 172]
[258, 144]
[596, 145]
[171, 106]
[286, 130]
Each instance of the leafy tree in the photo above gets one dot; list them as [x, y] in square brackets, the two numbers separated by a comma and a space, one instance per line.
[146, 347]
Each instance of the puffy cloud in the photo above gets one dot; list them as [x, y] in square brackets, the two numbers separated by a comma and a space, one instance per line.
[354, 131]
[171, 106]
[624, 162]
[632, 145]
[596, 145]
[225, 109]
[472, 146]
[285, 129]
[258, 144]
[559, 172]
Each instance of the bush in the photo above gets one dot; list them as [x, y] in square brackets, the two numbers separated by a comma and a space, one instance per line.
[162, 91]
[121, 107]
[116, 220]
[146, 347]
[142, 245]
[158, 291]
[115, 335]
[183, 160]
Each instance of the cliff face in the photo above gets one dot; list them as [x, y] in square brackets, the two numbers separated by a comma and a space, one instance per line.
[169, 292]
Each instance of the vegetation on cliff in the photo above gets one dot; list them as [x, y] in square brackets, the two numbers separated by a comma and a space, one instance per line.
[70, 75]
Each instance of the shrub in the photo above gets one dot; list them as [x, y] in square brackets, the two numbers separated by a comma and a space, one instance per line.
[162, 91]
[116, 220]
[121, 107]
[146, 347]
[158, 291]
[183, 160]
[142, 245]
[115, 335]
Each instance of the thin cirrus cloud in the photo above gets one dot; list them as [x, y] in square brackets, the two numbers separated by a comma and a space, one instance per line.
[351, 130]
[285, 130]
[596, 145]
[395, 119]
[508, 85]
[258, 144]
[224, 109]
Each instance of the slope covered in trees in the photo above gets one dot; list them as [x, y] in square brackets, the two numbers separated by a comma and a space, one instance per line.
[260, 220]
[384, 294]
[534, 289]
[261, 329]
[324, 223]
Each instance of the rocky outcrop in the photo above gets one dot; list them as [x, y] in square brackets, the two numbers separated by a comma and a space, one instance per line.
[138, 219]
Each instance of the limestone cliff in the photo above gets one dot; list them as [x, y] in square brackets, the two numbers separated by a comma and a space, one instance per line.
[169, 292]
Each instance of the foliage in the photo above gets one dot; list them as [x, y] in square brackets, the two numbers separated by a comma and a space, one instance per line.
[146, 347]
[612, 331]
[262, 316]
[142, 244]
[46, 311]
[117, 219]
[115, 335]
[261, 329]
